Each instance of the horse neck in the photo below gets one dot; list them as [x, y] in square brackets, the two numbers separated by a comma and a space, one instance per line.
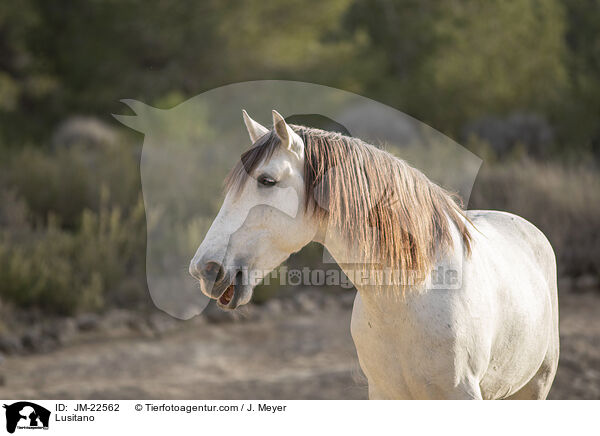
[385, 301]
[376, 298]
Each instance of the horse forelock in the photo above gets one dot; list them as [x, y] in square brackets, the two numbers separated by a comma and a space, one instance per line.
[397, 217]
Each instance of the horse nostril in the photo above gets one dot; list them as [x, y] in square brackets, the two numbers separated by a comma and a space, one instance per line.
[213, 271]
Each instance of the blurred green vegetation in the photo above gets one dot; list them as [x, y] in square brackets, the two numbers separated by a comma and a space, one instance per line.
[72, 224]
[446, 63]
[72, 238]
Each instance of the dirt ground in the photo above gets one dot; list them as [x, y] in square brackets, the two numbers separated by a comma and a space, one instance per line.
[291, 356]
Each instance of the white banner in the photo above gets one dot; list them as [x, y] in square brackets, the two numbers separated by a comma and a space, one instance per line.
[158, 417]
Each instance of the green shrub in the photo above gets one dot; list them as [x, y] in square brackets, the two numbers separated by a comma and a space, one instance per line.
[67, 181]
[67, 271]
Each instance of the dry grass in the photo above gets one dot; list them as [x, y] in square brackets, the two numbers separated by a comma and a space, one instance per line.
[563, 200]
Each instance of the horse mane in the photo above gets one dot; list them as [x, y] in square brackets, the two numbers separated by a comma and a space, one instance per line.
[397, 216]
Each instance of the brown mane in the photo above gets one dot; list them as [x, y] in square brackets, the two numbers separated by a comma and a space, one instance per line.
[388, 208]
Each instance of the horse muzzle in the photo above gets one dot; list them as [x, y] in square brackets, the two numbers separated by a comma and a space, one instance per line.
[216, 283]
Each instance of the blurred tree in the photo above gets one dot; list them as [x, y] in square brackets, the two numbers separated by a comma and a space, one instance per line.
[101, 51]
[83, 56]
[290, 40]
[582, 107]
[22, 79]
[451, 62]
[447, 63]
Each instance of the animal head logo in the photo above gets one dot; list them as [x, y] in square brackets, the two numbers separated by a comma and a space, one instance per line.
[189, 149]
[26, 415]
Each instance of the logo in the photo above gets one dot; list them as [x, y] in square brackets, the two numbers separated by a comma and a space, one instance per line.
[26, 415]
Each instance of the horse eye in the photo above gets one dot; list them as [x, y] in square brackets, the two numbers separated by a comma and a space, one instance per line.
[266, 180]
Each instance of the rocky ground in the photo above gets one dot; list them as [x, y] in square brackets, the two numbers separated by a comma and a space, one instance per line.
[296, 348]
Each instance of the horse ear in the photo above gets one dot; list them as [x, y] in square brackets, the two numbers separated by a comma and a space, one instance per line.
[255, 130]
[288, 137]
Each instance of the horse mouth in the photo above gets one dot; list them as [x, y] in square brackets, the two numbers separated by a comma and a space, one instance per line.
[227, 296]
[230, 298]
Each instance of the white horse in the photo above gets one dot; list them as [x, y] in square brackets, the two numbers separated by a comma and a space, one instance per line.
[490, 332]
